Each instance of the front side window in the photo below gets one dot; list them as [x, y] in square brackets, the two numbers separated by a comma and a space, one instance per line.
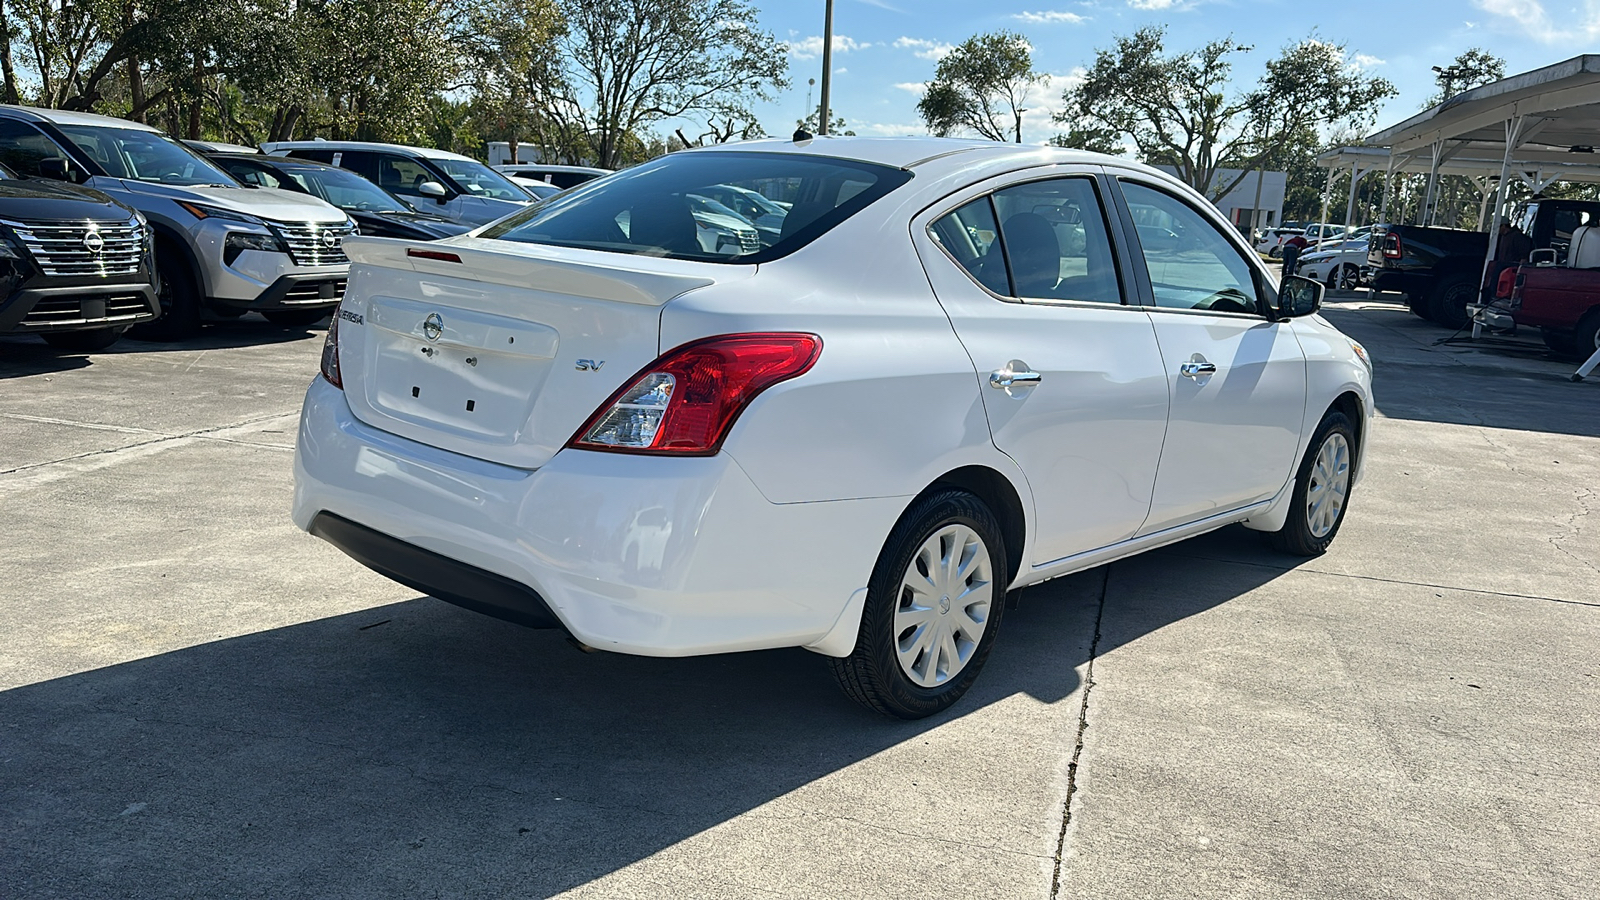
[400, 174]
[342, 188]
[478, 180]
[249, 173]
[1056, 240]
[1192, 265]
[663, 207]
[972, 237]
[144, 156]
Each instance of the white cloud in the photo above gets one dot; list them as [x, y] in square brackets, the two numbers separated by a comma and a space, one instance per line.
[1366, 61]
[811, 47]
[915, 87]
[889, 129]
[1152, 4]
[1530, 17]
[1050, 17]
[925, 49]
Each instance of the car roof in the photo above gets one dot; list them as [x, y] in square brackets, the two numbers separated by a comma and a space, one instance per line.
[68, 117]
[425, 152]
[265, 159]
[908, 152]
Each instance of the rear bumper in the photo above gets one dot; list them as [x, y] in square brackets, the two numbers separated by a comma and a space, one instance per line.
[635, 554]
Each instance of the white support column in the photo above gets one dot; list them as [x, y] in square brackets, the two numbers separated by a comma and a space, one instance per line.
[1327, 188]
[1356, 172]
[1484, 193]
[1388, 189]
[1433, 183]
[1513, 135]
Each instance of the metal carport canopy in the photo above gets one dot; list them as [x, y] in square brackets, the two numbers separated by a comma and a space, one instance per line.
[1543, 116]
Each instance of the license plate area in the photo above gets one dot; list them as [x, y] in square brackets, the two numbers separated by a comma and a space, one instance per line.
[472, 373]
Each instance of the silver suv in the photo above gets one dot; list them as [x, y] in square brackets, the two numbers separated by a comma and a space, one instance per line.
[456, 187]
[221, 247]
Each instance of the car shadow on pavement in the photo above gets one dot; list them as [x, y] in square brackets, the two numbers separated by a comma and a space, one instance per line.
[417, 748]
[24, 355]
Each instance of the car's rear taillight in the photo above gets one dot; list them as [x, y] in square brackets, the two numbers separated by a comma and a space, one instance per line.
[684, 403]
[1392, 248]
[330, 352]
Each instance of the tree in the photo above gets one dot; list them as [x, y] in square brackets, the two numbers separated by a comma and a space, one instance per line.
[630, 64]
[511, 50]
[1471, 69]
[981, 86]
[1095, 140]
[836, 122]
[1177, 109]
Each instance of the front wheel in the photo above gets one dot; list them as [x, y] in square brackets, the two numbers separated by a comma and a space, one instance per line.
[1347, 277]
[1321, 489]
[179, 298]
[933, 607]
[1448, 303]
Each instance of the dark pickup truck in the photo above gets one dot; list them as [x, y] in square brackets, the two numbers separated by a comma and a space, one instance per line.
[1440, 269]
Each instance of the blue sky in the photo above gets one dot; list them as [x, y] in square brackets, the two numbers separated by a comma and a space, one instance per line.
[885, 49]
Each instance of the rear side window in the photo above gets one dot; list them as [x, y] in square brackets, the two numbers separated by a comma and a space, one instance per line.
[971, 236]
[665, 207]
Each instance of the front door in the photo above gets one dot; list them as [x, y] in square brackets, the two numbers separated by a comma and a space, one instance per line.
[1238, 380]
[1070, 377]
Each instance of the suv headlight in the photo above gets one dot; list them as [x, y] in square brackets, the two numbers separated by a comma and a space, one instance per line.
[200, 211]
[239, 241]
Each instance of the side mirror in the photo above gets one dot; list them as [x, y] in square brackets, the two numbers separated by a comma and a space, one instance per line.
[57, 168]
[1545, 257]
[433, 189]
[1298, 296]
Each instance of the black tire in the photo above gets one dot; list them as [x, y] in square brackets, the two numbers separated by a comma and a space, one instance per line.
[1447, 305]
[1562, 343]
[87, 341]
[872, 674]
[1417, 305]
[1586, 337]
[297, 318]
[1300, 534]
[1275, 252]
[179, 297]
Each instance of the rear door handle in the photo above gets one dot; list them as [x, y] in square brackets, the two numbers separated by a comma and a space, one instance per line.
[1015, 373]
[1197, 369]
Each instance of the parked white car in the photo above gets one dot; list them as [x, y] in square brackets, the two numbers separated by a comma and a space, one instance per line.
[1335, 264]
[1271, 242]
[958, 372]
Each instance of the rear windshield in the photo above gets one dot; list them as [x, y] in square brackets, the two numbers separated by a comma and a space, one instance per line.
[668, 206]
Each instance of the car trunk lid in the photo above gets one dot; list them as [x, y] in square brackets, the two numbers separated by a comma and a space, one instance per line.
[500, 350]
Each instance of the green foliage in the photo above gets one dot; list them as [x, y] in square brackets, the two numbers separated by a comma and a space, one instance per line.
[836, 122]
[1093, 139]
[1177, 108]
[1471, 69]
[981, 87]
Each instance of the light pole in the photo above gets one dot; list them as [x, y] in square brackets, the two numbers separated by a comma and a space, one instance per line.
[827, 67]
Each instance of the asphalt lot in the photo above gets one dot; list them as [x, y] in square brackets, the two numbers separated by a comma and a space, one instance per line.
[197, 700]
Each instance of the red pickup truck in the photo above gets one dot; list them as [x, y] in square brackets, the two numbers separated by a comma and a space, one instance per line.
[1562, 301]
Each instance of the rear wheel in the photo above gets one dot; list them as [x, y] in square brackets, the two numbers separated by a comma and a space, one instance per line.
[297, 318]
[1586, 336]
[933, 607]
[1346, 278]
[180, 301]
[1447, 305]
[86, 341]
[1321, 489]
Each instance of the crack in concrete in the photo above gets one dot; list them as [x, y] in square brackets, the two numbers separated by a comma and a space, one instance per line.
[215, 433]
[1424, 584]
[1573, 529]
[1077, 748]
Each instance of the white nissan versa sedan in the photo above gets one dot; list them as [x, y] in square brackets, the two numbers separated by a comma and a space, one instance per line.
[957, 369]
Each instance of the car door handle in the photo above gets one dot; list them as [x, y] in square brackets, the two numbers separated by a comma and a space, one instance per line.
[1015, 373]
[1196, 369]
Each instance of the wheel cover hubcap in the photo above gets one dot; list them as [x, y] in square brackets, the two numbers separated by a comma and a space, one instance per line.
[1330, 483]
[944, 602]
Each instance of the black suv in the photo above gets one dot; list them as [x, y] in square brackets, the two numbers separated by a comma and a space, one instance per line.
[75, 266]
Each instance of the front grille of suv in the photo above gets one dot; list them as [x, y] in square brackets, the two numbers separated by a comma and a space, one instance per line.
[82, 248]
[307, 242]
[89, 309]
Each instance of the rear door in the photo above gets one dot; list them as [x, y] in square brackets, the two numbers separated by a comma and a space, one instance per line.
[1237, 379]
[1071, 378]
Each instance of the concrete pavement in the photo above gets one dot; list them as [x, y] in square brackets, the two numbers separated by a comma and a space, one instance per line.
[198, 700]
